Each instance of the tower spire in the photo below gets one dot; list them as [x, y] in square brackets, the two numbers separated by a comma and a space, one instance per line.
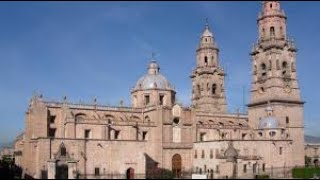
[208, 86]
[272, 21]
[274, 78]
[207, 32]
[207, 23]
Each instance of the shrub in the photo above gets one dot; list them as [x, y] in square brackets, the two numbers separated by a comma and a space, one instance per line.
[160, 174]
[305, 173]
[263, 176]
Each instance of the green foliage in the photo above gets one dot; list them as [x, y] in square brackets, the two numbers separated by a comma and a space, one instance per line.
[305, 173]
[307, 160]
[7, 160]
[263, 176]
[160, 174]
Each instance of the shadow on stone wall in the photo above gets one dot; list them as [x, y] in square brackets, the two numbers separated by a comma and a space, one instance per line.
[154, 172]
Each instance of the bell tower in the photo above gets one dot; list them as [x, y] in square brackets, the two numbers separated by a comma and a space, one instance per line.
[208, 93]
[274, 77]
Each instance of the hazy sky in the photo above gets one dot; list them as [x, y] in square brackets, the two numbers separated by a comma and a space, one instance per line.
[100, 49]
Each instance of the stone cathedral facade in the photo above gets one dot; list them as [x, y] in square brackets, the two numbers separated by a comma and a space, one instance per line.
[68, 140]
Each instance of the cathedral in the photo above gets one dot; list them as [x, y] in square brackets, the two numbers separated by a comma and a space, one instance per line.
[68, 140]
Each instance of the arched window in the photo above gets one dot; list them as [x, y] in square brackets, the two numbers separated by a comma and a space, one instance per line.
[272, 133]
[146, 99]
[161, 99]
[284, 65]
[263, 67]
[214, 89]
[270, 67]
[280, 150]
[206, 60]
[278, 64]
[211, 154]
[63, 151]
[202, 137]
[263, 32]
[272, 33]
[199, 89]
[195, 154]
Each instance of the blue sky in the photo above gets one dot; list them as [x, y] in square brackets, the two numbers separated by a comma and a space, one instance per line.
[99, 49]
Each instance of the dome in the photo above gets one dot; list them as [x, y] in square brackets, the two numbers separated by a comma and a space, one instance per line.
[153, 79]
[268, 123]
[207, 33]
[231, 153]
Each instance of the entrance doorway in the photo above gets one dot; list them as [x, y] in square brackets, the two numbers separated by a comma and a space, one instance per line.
[61, 171]
[130, 173]
[176, 166]
[211, 174]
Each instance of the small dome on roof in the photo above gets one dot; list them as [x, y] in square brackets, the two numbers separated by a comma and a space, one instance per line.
[153, 79]
[207, 32]
[231, 153]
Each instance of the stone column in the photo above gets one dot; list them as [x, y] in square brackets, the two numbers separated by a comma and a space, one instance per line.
[72, 169]
[51, 169]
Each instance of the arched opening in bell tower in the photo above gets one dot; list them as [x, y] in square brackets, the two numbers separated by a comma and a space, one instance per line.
[206, 61]
[272, 32]
[264, 70]
[214, 89]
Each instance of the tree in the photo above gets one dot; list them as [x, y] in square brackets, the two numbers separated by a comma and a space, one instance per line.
[307, 160]
[159, 173]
